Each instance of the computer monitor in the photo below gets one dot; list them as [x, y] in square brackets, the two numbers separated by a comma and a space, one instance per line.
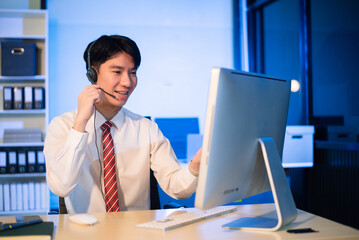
[243, 143]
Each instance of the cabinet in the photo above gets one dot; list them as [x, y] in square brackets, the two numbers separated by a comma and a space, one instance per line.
[26, 25]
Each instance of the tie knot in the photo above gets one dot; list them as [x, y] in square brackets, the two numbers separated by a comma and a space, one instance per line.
[106, 126]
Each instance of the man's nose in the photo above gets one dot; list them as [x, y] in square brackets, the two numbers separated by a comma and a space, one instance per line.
[126, 80]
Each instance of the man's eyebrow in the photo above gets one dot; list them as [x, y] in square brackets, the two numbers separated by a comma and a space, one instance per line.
[116, 66]
[120, 67]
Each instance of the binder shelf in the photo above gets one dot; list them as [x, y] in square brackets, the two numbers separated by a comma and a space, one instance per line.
[23, 188]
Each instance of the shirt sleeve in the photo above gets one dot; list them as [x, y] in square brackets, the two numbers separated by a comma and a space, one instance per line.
[178, 182]
[64, 151]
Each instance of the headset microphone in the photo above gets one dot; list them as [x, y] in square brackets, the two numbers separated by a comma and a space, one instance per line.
[108, 93]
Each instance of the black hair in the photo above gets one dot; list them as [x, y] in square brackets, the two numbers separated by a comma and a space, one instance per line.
[105, 47]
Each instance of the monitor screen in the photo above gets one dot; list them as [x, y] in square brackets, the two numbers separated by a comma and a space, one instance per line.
[244, 110]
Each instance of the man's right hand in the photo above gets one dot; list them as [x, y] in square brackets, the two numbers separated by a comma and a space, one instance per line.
[87, 99]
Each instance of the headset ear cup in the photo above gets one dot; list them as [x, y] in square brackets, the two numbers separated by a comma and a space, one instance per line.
[92, 75]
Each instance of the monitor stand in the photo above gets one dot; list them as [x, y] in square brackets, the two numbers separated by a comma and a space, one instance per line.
[283, 199]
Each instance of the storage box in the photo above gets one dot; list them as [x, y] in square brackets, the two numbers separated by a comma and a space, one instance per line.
[342, 133]
[18, 58]
[22, 135]
[298, 146]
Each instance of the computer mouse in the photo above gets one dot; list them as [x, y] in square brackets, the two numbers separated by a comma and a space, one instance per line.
[83, 219]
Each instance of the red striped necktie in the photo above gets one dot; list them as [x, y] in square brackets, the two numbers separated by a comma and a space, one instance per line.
[109, 171]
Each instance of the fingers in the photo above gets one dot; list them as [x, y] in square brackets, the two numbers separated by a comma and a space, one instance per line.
[87, 99]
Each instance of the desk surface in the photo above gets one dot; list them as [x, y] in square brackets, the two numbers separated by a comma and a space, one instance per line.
[122, 226]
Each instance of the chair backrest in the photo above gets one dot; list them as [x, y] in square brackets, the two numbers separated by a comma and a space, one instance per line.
[154, 196]
[176, 130]
[62, 206]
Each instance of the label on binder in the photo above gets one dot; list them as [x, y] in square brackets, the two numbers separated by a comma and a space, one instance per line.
[40, 161]
[28, 98]
[31, 161]
[2, 162]
[18, 98]
[39, 98]
[22, 162]
[12, 162]
[8, 98]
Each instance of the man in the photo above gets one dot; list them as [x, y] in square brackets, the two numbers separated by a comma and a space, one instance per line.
[99, 156]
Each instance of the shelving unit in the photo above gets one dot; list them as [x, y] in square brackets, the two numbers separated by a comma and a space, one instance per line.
[32, 26]
[27, 25]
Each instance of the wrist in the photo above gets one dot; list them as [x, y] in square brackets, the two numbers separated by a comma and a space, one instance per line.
[194, 170]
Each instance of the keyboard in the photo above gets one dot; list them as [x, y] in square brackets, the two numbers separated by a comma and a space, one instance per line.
[183, 219]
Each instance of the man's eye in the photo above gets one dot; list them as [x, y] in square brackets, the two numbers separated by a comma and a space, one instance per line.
[133, 73]
[117, 72]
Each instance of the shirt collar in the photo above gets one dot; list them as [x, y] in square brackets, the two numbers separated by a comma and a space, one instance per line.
[117, 120]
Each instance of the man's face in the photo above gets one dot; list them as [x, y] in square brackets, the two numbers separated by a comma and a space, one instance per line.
[118, 77]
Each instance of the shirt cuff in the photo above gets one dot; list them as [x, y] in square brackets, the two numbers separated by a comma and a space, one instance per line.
[76, 138]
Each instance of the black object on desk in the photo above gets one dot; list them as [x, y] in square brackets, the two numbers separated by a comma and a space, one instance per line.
[302, 230]
[21, 222]
[27, 226]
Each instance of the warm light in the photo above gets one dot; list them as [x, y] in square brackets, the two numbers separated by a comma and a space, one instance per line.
[295, 85]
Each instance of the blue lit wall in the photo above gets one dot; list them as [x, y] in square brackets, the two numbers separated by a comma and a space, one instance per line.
[335, 29]
[180, 41]
[335, 49]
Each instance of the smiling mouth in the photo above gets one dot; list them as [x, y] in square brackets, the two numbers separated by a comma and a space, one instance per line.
[122, 92]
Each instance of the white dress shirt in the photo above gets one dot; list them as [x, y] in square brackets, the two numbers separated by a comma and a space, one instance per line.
[73, 160]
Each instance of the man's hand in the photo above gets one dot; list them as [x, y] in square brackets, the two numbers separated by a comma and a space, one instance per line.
[87, 100]
[195, 162]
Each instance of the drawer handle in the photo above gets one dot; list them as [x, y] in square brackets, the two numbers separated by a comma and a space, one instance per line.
[297, 136]
[17, 51]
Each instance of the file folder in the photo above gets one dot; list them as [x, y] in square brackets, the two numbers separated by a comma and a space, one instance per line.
[31, 161]
[6, 187]
[28, 98]
[19, 197]
[12, 165]
[44, 196]
[25, 195]
[1, 198]
[37, 195]
[40, 161]
[13, 203]
[18, 97]
[39, 95]
[21, 160]
[31, 195]
[8, 98]
[2, 162]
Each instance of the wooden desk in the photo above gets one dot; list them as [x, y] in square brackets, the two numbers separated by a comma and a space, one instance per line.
[122, 226]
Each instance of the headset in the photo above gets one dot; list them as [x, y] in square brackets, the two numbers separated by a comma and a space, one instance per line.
[91, 71]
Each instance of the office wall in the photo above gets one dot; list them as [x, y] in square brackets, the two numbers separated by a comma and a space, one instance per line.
[335, 37]
[180, 41]
[282, 50]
